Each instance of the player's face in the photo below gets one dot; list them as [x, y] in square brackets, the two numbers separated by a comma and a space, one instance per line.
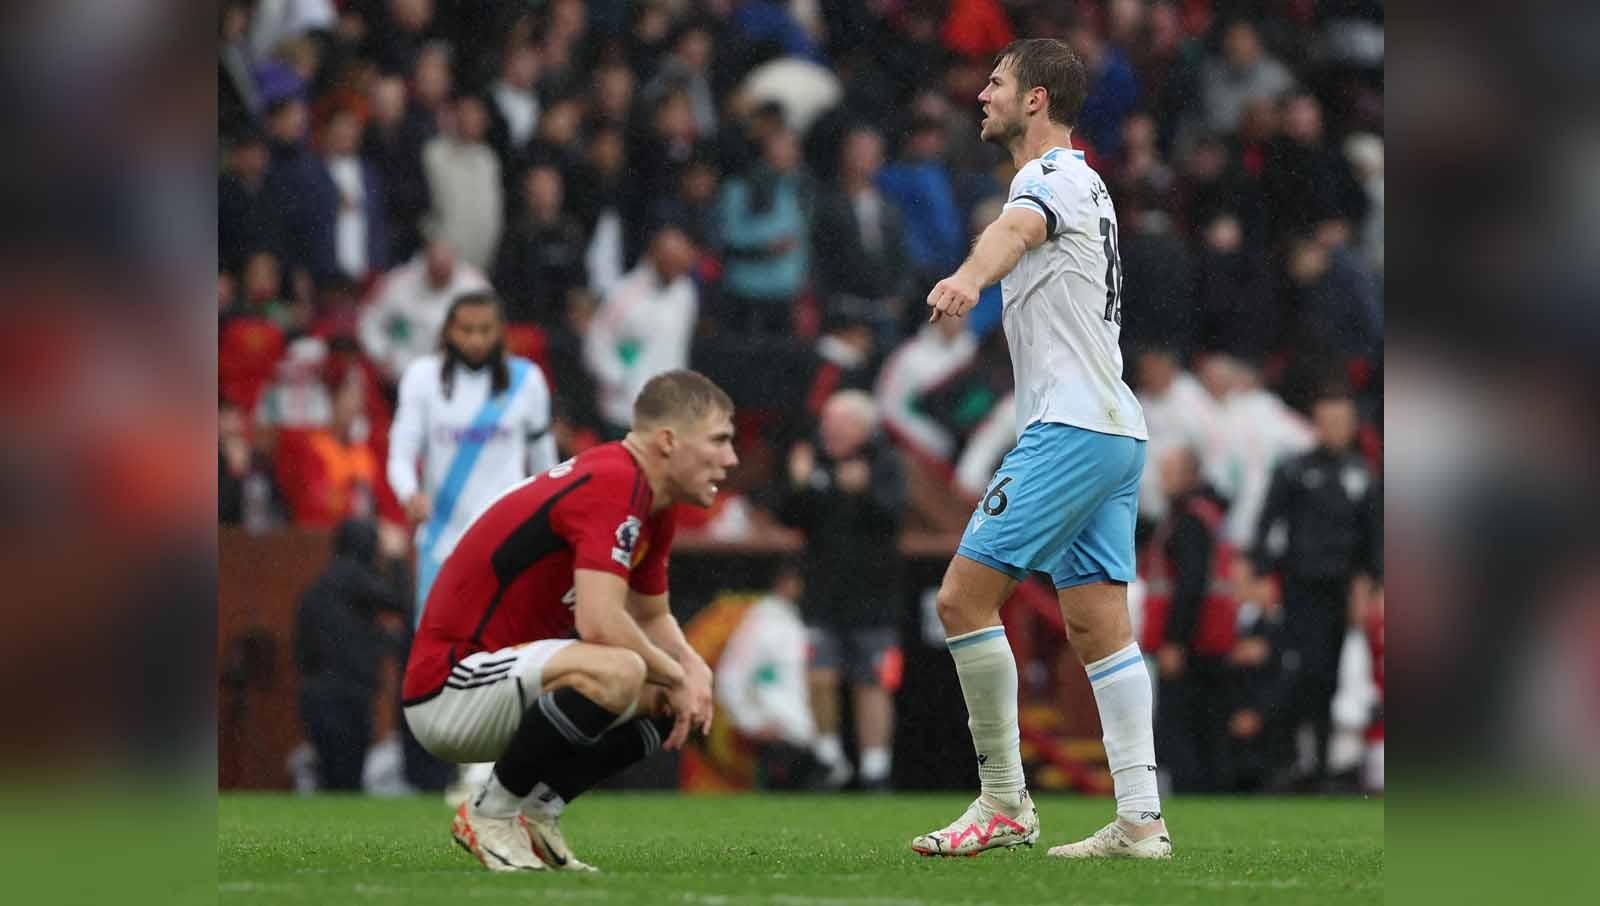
[474, 332]
[701, 458]
[1002, 112]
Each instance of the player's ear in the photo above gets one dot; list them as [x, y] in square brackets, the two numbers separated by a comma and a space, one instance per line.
[666, 439]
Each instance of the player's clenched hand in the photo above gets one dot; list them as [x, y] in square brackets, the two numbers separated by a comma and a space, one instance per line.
[691, 707]
[953, 296]
[419, 507]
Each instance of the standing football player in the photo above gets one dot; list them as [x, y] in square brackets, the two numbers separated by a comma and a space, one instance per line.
[1064, 499]
[547, 646]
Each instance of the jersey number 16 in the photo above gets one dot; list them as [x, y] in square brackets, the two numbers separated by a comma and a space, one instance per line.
[1108, 235]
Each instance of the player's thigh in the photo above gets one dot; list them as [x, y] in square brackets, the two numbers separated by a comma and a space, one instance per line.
[1092, 574]
[1046, 490]
[606, 674]
[474, 716]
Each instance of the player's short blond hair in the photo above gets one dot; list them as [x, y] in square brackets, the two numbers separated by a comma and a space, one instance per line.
[678, 397]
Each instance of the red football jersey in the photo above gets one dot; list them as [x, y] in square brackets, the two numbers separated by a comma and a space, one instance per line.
[509, 579]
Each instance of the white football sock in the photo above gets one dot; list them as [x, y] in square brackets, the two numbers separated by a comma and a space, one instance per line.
[988, 673]
[1122, 692]
[495, 801]
[544, 801]
[874, 765]
[829, 750]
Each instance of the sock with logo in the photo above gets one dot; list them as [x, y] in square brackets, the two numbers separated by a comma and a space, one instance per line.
[988, 674]
[619, 749]
[1122, 693]
[559, 727]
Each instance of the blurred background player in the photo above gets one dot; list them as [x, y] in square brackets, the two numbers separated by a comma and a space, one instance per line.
[479, 421]
[548, 645]
[847, 498]
[1064, 500]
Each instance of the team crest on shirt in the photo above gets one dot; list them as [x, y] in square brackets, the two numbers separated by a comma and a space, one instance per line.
[627, 539]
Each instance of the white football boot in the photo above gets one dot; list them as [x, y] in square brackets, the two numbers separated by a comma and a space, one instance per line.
[550, 845]
[982, 827]
[1114, 842]
[501, 844]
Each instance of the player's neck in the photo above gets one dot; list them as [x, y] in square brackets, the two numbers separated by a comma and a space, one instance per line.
[660, 499]
[1037, 141]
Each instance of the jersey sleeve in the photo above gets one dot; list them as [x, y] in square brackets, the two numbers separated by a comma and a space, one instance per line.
[1034, 189]
[598, 522]
[650, 578]
[409, 430]
[535, 421]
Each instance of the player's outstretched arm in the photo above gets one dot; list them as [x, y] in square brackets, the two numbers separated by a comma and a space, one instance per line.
[603, 619]
[997, 251]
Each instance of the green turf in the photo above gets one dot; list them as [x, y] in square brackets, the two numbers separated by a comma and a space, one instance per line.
[839, 850]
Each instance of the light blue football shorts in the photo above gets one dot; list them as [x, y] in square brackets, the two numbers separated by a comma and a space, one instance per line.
[1063, 502]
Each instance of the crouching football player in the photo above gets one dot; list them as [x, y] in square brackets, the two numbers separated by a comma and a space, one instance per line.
[546, 644]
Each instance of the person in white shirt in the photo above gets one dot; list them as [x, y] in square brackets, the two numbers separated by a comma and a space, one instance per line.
[1064, 500]
[515, 100]
[1255, 430]
[644, 326]
[464, 180]
[1179, 413]
[476, 420]
[936, 352]
[761, 675]
[403, 319]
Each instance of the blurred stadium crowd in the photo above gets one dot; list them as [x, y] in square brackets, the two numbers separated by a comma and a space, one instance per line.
[765, 192]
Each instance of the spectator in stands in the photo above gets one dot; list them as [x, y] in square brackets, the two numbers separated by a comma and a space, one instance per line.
[859, 239]
[541, 256]
[577, 422]
[1364, 151]
[1306, 181]
[846, 494]
[1113, 90]
[596, 198]
[348, 622]
[465, 182]
[687, 65]
[238, 97]
[1190, 627]
[1263, 750]
[401, 32]
[1244, 72]
[396, 132]
[1168, 64]
[246, 493]
[345, 221]
[1254, 432]
[1238, 314]
[612, 94]
[693, 206]
[402, 322]
[935, 353]
[920, 186]
[1178, 412]
[332, 473]
[1337, 312]
[643, 326]
[248, 216]
[1212, 182]
[514, 113]
[660, 142]
[765, 237]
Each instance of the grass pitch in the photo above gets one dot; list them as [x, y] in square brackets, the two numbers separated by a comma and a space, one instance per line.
[793, 850]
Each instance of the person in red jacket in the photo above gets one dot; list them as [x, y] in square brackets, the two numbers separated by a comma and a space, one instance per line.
[547, 645]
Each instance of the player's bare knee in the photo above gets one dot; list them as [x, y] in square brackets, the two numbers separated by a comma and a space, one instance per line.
[624, 679]
[957, 612]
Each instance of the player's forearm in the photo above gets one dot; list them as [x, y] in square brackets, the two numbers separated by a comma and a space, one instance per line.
[616, 628]
[665, 633]
[996, 252]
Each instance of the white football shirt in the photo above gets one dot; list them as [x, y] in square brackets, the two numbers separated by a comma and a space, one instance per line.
[1062, 303]
[470, 453]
